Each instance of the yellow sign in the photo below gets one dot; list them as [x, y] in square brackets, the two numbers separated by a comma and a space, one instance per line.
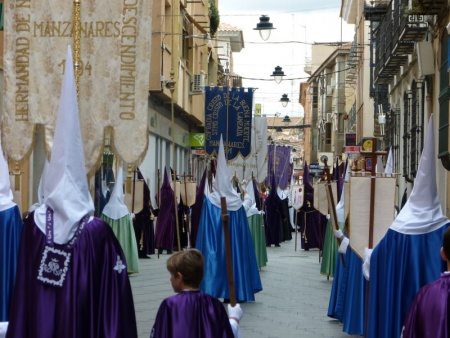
[257, 108]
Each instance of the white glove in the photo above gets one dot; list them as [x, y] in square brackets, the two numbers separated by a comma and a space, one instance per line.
[3, 328]
[344, 244]
[366, 264]
[235, 312]
[133, 216]
[338, 233]
[328, 216]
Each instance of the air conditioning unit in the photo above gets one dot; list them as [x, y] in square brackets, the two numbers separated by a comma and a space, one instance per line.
[198, 85]
[322, 156]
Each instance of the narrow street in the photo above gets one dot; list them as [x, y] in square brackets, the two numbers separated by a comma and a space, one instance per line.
[292, 304]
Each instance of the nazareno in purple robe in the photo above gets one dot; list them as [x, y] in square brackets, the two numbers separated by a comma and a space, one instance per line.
[428, 315]
[95, 300]
[191, 314]
[165, 223]
[311, 221]
[143, 224]
[273, 219]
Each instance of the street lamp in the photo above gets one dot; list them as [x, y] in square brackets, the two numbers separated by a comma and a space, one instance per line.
[264, 27]
[278, 74]
[286, 119]
[284, 100]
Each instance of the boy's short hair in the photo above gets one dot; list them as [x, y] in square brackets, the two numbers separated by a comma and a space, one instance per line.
[190, 264]
[446, 243]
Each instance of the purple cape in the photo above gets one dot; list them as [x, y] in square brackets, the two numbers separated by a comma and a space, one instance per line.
[191, 314]
[429, 315]
[165, 223]
[10, 230]
[312, 227]
[95, 300]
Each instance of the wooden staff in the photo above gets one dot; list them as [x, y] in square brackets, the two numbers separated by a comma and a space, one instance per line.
[228, 255]
[176, 209]
[159, 204]
[373, 174]
[296, 230]
[187, 212]
[332, 207]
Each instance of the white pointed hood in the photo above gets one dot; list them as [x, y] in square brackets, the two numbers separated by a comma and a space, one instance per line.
[340, 207]
[253, 210]
[389, 169]
[116, 208]
[6, 194]
[66, 188]
[222, 185]
[422, 212]
[41, 193]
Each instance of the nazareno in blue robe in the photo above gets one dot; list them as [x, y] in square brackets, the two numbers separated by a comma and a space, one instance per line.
[95, 300]
[348, 294]
[10, 230]
[210, 241]
[191, 314]
[394, 282]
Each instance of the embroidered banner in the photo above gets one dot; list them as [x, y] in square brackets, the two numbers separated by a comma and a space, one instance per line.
[359, 195]
[111, 90]
[278, 165]
[228, 112]
[256, 164]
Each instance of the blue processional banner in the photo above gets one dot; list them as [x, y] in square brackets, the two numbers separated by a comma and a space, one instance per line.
[228, 112]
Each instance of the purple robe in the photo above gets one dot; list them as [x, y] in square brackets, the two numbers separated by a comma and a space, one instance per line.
[273, 220]
[428, 315]
[191, 314]
[165, 223]
[95, 300]
[312, 227]
[143, 224]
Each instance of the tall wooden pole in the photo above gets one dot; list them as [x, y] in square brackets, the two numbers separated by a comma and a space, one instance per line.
[373, 177]
[228, 254]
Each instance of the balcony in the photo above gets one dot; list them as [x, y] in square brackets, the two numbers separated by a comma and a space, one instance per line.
[427, 7]
[396, 36]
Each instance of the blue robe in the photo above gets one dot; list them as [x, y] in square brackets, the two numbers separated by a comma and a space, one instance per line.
[399, 266]
[210, 241]
[10, 230]
[348, 292]
[191, 314]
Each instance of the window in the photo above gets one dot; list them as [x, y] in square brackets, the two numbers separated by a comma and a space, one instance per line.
[406, 135]
[392, 134]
